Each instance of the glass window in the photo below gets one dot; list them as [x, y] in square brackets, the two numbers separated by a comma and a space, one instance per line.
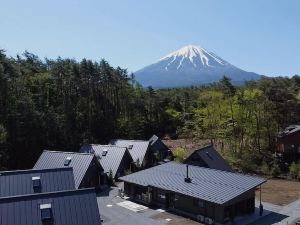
[46, 211]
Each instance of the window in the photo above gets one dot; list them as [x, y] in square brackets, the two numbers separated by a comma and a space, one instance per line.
[36, 182]
[198, 202]
[46, 212]
[104, 152]
[67, 161]
[130, 146]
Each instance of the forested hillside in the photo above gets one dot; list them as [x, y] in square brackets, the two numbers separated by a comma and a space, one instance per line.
[61, 104]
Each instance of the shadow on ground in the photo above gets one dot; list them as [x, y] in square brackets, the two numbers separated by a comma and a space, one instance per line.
[270, 219]
[104, 192]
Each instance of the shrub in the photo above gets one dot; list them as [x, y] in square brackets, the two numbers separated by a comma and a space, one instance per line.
[179, 154]
[265, 168]
[294, 170]
[110, 178]
[275, 170]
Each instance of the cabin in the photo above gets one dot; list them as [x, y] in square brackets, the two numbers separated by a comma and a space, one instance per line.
[60, 208]
[159, 149]
[139, 151]
[208, 157]
[25, 182]
[206, 195]
[145, 154]
[288, 144]
[86, 168]
[114, 159]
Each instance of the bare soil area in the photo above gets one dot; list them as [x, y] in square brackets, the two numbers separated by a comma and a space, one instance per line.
[280, 192]
[175, 220]
[190, 144]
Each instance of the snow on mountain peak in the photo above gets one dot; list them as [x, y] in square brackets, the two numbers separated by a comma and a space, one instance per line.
[190, 65]
[194, 54]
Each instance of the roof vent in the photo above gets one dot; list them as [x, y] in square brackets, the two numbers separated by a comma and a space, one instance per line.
[46, 212]
[36, 182]
[67, 161]
[104, 152]
[130, 146]
[187, 179]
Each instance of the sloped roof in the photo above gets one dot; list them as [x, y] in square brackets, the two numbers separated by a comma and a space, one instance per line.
[211, 157]
[138, 150]
[20, 182]
[80, 162]
[157, 143]
[111, 160]
[289, 131]
[76, 207]
[208, 184]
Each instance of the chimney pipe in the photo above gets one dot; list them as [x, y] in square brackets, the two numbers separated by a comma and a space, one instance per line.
[187, 179]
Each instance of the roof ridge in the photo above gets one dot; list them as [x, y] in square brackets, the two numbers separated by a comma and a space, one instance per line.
[77, 153]
[130, 140]
[205, 168]
[47, 193]
[113, 146]
[35, 170]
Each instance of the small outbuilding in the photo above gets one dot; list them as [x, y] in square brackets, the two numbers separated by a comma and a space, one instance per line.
[114, 159]
[59, 208]
[86, 168]
[159, 149]
[208, 157]
[24, 182]
[288, 144]
[207, 195]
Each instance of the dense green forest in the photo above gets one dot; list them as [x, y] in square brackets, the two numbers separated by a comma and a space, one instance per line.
[61, 104]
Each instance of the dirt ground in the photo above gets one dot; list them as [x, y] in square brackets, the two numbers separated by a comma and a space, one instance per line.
[190, 145]
[175, 220]
[280, 192]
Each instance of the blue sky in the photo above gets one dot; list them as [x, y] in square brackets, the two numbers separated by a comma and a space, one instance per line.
[262, 36]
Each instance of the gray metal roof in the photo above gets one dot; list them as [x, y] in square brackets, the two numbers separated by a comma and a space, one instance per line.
[20, 182]
[157, 144]
[138, 150]
[76, 207]
[211, 158]
[289, 130]
[80, 162]
[111, 160]
[208, 184]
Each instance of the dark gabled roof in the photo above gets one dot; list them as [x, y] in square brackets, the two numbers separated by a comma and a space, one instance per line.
[80, 162]
[138, 150]
[208, 184]
[289, 131]
[157, 144]
[110, 161]
[76, 207]
[211, 158]
[20, 182]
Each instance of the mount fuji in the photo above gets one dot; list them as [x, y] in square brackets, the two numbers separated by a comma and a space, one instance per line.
[190, 65]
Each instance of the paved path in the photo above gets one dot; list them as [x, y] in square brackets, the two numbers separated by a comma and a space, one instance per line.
[282, 215]
[117, 215]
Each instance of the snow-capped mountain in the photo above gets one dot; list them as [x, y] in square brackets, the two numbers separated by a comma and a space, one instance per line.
[190, 65]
